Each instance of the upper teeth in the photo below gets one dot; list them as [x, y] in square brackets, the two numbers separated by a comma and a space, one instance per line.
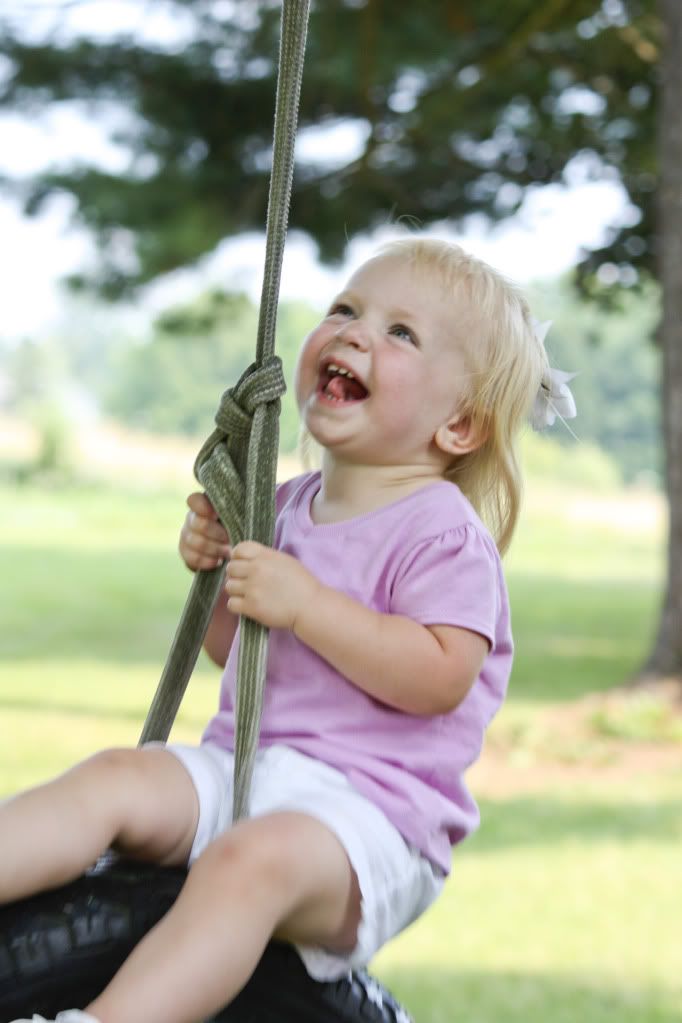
[341, 370]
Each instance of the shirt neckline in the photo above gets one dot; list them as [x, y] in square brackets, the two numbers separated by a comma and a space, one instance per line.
[311, 488]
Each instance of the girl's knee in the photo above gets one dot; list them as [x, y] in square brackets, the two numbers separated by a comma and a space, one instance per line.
[249, 854]
[108, 778]
[288, 854]
[115, 768]
[112, 759]
[150, 798]
[294, 873]
[132, 764]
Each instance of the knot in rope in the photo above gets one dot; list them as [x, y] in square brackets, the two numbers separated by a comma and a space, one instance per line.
[220, 465]
[258, 385]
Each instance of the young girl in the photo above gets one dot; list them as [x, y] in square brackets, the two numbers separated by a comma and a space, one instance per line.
[390, 652]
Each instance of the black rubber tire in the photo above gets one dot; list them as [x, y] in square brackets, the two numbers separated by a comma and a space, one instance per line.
[60, 948]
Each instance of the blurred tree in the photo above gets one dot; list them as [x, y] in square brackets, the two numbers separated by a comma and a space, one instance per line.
[171, 381]
[665, 660]
[457, 108]
[618, 383]
[38, 392]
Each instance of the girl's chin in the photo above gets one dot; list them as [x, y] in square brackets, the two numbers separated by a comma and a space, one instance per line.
[328, 414]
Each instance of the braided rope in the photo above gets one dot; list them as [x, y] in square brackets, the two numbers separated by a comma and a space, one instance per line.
[237, 465]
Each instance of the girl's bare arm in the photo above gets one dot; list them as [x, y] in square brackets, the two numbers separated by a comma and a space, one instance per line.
[204, 544]
[419, 669]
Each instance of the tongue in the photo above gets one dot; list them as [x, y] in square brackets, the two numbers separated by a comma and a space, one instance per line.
[336, 388]
[345, 390]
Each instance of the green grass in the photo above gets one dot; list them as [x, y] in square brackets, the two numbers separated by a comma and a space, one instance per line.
[553, 911]
[565, 906]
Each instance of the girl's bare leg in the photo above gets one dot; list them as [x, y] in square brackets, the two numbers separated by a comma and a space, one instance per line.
[285, 875]
[141, 801]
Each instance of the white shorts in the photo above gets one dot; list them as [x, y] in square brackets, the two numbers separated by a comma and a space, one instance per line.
[396, 882]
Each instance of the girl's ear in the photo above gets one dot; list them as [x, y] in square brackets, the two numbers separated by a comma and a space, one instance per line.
[459, 436]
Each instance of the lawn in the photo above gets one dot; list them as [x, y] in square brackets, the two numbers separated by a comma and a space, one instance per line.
[565, 906]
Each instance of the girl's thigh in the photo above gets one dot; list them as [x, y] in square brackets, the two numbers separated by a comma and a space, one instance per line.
[160, 805]
[294, 866]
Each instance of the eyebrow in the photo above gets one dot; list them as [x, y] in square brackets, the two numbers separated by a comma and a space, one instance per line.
[398, 314]
[405, 314]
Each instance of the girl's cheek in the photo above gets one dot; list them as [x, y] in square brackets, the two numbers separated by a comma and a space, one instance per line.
[300, 376]
[305, 371]
[299, 373]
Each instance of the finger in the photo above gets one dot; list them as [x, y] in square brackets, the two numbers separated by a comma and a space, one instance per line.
[235, 605]
[235, 587]
[238, 569]
[196, 561]
[205, 564]
[247, 550]
[198, 552]
[201, 527]
[206, 529]
[201, 505]
[199, 545]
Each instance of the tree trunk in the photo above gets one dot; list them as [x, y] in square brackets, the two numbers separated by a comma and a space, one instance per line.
[665, 660]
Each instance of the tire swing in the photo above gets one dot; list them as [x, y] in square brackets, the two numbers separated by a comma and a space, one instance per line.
[59, 948]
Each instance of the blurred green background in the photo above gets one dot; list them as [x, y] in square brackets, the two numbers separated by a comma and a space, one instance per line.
[566, 905]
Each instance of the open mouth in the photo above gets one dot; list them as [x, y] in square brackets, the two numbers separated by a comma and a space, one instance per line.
[338, 383]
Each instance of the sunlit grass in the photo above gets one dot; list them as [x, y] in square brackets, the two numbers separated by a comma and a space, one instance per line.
[554, 911]
[565, 905]
[55, 712]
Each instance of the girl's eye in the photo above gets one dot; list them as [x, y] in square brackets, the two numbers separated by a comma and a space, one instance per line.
[404, 333]
[341, 309]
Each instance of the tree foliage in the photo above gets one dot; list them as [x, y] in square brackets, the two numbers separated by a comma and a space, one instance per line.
[618, 373]
[171, 381]
[458, 109]
[168, 379]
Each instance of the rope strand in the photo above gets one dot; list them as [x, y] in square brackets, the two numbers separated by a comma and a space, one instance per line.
[237, 465]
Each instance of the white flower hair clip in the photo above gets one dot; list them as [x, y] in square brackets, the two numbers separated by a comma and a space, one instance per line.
[554, 398]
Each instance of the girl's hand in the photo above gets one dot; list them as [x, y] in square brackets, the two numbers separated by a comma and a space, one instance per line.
[271, 587]
[204, 542]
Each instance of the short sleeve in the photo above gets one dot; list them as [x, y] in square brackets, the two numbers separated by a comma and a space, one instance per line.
[282, 493]
[289, 489]
[452, 579]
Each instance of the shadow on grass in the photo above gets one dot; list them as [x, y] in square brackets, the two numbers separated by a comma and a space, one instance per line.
[444, 996]
[44, 707]
[121, 605]
[572, 637]
[575, 637]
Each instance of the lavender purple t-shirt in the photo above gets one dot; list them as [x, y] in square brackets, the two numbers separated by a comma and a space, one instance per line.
[428, 557]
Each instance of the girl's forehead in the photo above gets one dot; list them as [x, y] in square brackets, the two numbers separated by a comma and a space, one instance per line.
[399, 288]
[388, 264]
[406, 289]
[389, 273]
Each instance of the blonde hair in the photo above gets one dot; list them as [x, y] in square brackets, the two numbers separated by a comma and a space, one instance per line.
[505, 362]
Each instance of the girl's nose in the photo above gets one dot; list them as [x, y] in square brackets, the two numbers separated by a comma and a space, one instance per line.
[354, 333]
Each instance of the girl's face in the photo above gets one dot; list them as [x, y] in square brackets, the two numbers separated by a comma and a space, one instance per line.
[382, 371]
